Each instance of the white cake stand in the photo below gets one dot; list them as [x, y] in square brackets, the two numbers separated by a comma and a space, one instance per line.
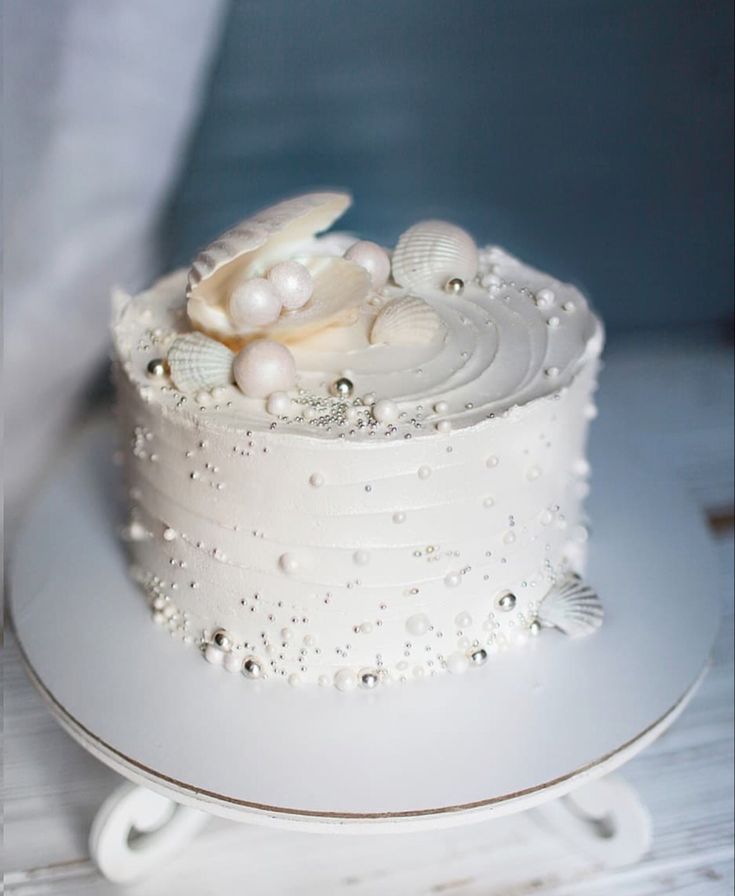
[533, 725]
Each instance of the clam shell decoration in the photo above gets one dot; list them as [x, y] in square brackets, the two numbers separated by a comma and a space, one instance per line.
[197, 362]
[572, 607]
[431, 253]
[283, 231]
[406, 321]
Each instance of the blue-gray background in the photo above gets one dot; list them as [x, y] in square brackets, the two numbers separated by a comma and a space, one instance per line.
[592, 137]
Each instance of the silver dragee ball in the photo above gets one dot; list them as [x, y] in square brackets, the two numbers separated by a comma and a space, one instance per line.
[369, 679]
[222, 639]
[156, 367]
[264, 367]
[455, 286]
[251, 668]
[293, 283]
[342, 387]
[373, 258]
[254, 303]
[507, 601]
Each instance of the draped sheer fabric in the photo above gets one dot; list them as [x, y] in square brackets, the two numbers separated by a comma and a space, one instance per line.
[100, 99]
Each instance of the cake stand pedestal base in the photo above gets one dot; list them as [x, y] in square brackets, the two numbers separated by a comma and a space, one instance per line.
[539, 728]
[136, 830]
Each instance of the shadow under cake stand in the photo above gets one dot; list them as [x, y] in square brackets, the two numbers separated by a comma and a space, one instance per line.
[539, 727]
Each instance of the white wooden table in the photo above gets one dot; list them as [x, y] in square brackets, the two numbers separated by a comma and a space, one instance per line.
[674, 401]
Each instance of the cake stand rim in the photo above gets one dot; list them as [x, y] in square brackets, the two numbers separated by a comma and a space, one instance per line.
[282, 816]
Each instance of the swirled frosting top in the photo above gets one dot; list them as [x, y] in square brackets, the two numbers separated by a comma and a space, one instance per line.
[455, 356]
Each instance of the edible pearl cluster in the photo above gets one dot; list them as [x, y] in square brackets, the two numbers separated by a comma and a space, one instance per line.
[259, 301]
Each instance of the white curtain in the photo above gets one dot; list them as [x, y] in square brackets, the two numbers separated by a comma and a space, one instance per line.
[100, 99]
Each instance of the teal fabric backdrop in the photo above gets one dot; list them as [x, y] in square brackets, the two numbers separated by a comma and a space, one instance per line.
[593, 137]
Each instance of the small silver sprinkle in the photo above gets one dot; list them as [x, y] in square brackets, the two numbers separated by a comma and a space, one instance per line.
[478, 657]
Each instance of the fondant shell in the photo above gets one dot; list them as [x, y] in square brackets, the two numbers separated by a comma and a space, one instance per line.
[572, 607]
[433, 252]
[406, 321]
[197, 362]
[249, 250]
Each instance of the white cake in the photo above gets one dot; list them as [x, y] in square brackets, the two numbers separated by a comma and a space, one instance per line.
[392, 486]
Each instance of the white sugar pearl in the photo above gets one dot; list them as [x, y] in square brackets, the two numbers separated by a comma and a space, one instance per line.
[444, 426]
[385, 411]
[442, 407]
[418, 624]
[373, 258]
[288, 563]
[452, 579]
[345, 680]
[254, 303]
[457, 663]
[169, 534]
[214, 655]
[361, 558]
[463, 620]
[232, 662]
[424, 472]
[544, 298]
[293, 283]
[264, 367]
[580, 467]
[278, 404]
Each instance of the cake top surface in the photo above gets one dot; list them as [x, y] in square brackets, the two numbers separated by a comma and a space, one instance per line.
[336, 339]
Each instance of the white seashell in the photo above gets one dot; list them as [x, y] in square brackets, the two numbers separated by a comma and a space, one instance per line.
[572, 607]
[198, 362]
[406, 321]
[249, 250]
[433, 252]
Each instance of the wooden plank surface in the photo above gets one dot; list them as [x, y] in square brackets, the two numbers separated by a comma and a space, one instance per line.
[674, 400]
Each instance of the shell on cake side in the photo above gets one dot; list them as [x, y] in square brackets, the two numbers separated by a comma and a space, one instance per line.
[283, 232]
[432, 253]
[572, 607]
[406, 321]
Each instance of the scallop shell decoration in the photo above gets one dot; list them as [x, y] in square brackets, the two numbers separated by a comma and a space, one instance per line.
[197, 362]
[431, 253]
[406, 321]
[283, 231]
[572, 607]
